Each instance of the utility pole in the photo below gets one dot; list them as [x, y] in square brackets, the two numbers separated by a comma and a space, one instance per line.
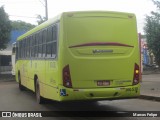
[46, 9]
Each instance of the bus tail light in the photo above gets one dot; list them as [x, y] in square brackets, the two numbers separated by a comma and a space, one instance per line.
[136, 76]
[67, 77]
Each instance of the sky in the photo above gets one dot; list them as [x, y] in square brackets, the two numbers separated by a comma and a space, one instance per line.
[27, 10]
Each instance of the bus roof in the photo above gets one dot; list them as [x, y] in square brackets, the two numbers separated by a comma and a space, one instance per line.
[83, 13]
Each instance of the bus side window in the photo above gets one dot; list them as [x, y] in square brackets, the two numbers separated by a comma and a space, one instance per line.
[44, 50]
[33, 46]
[54, 49]
[37, 44]
[37, 38]
[40, 41]
[54, 30]
[49, 34]
[44, 43]
[48, 50]
[26, 42]
[16, 50]
[41, 44]
[49, 42]
[35, 50]
[30, 38]
[54, 43]
[44, 36]
[40, 51]
[22, 48]
[51, 45]
[19, 51]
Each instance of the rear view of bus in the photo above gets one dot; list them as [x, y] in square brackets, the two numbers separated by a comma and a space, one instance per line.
[101, 58]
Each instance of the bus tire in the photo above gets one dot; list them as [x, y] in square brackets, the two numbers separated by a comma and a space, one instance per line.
[21, 87]
[40, 100]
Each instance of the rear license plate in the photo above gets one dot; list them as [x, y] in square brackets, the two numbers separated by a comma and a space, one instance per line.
[103, 83]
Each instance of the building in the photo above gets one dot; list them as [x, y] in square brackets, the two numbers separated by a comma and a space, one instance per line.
[5, 55]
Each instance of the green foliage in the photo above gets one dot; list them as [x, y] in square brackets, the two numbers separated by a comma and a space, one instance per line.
[21, 25]
[5, 29]
[152, 31]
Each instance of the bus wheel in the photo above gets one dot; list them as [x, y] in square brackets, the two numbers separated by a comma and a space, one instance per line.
[39, 99]
[21, 87]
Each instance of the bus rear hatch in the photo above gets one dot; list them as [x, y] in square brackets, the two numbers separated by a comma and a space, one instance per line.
[101, 49]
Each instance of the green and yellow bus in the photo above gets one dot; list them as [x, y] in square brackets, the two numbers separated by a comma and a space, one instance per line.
[89, 55]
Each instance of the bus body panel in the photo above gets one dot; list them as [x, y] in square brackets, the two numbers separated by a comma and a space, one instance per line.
[100, 93]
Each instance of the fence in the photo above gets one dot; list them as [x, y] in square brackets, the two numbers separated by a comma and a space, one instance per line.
[5, 68]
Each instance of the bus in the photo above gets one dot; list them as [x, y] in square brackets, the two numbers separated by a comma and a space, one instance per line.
[81, 55]
[13, 58]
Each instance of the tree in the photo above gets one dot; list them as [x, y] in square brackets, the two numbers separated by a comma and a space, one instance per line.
[21, 25]
[5, 29]
[40, 19]
[152, 31]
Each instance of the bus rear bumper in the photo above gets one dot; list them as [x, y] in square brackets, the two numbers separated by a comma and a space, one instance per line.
[67, 94]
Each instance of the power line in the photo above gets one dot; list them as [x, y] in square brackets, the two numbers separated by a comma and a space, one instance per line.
[22, 16]
[42, 3]
[46, 7]
[15, 2]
